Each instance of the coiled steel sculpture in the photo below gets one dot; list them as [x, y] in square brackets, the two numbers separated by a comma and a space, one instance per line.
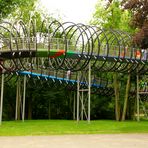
[67, 46]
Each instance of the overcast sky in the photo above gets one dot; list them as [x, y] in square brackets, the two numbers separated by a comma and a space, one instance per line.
[79, 11]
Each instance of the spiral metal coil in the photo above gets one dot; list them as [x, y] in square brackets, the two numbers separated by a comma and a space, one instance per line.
[25, 46]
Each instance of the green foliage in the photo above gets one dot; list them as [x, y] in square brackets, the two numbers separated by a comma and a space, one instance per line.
[15, 10]
[111, 16]
[102, 107]
[9, 100]
[46, 100]
[9, 6]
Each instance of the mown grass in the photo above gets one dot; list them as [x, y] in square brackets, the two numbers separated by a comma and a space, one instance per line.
[60, 127]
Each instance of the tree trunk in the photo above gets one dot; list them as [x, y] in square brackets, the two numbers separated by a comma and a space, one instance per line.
[18, 100]
[49, 109]
[126, 97]
[116, 88]
[30, 108]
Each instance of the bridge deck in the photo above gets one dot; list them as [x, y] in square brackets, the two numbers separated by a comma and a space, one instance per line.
[4, 55]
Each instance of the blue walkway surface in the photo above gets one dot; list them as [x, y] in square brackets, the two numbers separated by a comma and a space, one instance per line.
[54, 78]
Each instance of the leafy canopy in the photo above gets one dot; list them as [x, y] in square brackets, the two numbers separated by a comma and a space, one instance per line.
[9, 6]
[110, 14]
[139, 10]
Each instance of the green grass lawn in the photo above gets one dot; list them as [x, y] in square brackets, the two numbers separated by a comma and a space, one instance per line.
[57, 127]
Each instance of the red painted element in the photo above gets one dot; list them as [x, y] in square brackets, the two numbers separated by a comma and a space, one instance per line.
[58, 53]
[138, 54]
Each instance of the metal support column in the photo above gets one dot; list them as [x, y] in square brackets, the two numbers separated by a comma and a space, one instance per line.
[82, 105]
[2, 94]
[86, 78]
[74, 107]
[78, 88]
[17, 99]
[89, 90]
[138, 98]
[24, 98]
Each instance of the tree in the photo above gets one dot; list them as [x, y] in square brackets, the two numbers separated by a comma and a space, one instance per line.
[110, 15]
[117, 90]
[10, 6]
[126, 97]
[139, 9]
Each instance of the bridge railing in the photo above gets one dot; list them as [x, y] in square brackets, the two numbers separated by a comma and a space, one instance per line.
[19, 43]
[33, 43]
[58, 44]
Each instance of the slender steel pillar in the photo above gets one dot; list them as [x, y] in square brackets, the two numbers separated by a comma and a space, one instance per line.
[78, 95]
[2, 94]
[138, 117]
[89, 90]
[74, 107]
[17, 99]
[24, 98]
[82, 105]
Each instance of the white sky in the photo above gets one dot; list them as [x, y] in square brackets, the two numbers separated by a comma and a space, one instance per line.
[78, 11]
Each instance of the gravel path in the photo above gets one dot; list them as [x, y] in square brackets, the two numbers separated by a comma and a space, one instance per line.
[77, 141]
